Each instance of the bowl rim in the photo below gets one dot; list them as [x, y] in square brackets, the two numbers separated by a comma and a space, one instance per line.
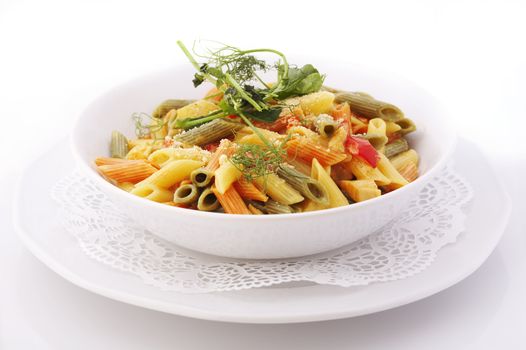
[92, 173]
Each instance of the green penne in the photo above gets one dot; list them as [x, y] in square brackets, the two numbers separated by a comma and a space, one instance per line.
[325, 125]
[396, 147]
[304, 184]
[207, 200]
[407, 126]
[119, 145]
[186, 194]
[273, 207]
[369, 107]
[168, 105]
[201, 177]
[210, 132]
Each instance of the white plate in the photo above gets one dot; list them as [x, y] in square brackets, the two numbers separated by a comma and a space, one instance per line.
[36, 218]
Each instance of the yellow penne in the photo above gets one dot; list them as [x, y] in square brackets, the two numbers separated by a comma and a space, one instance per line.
[360, 190]
[163, 156]
[278, 189]
[127, 186]
[196, 109]
[408, 156]
[231, 201]
[300, 166]
[317, 102]
[363, 171]
[306, 150]
[226, 175]
[310, 205]
[172, 173]
[247, 190]
[336, 197]
[152, 192]
[385, 166]
[127, 171]
[376, 133]
[336, 143]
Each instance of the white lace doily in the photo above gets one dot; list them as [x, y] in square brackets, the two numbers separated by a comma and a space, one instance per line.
[403, 248]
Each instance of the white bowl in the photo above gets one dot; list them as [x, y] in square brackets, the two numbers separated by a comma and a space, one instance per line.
[269, 236]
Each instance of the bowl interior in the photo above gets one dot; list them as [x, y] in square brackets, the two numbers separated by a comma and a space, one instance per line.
[113, 110]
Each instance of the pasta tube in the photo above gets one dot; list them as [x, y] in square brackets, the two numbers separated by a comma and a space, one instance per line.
[152, 192]
[360, 190]
[376, 133]
[385, 166]
[306, 185]
[335, 196]
[225, 176]
[363, 171]
[130, 171]
[201, 177]
[207, 200]
[248, 190]
[167, 105]
[209, 132]
[231, 201]
[119, 145]
[186, 194]
[369, 107]
[164, 156]
[173, 173]
[325, 125]
[273, 207]
[307, 150]
[278, 189]
[406, 125]
[396, 147]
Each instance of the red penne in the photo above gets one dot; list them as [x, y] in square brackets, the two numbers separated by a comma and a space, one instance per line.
[231, 201]
[307, 150]
[248, 190]
[133, 172]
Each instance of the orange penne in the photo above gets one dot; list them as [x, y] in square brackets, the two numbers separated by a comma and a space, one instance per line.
[108, 161]
[127, 171]
[306, 150]
[224, 148]
[342, 112]
[248, 190]
[409, 171]
[231, 201]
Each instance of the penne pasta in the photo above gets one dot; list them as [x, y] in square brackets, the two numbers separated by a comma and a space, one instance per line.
[377, 133]
[335, 196]
[210, 132]
[278, 189]
[109, 161]
[247, 190]
[231, 201]
[363, 171]
[360, 190]
[127, 171]
[369, 107]
[172, 173]
[306, 150]
[385, 166]
[226, 175]
[164, 156]
[152, 192]
[207, 201]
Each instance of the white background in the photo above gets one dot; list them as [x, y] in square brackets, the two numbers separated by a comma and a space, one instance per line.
[56, 56]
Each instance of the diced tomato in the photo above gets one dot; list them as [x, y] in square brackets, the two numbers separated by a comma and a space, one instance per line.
[211, 147]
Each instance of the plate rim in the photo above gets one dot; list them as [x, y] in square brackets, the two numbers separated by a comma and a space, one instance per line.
[195, 312]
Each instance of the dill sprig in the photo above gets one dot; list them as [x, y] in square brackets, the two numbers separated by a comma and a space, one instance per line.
[146, 125]
[256, 161]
